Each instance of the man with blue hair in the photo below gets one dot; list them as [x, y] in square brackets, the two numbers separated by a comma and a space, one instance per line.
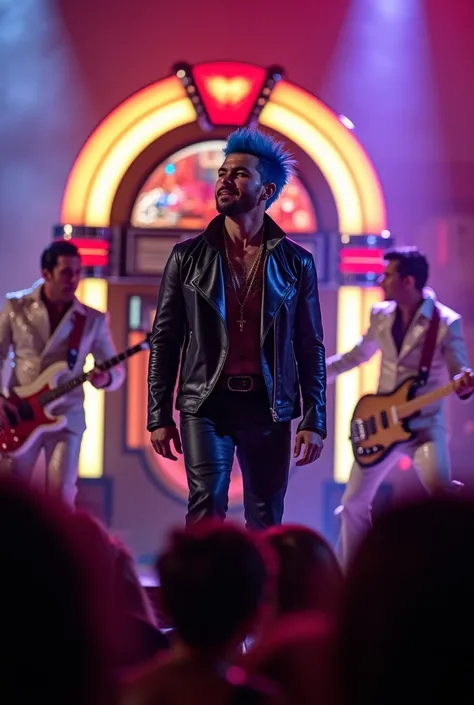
[239, 312]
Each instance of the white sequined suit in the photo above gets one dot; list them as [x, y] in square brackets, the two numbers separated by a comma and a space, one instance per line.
[25, 332]
[428, 450]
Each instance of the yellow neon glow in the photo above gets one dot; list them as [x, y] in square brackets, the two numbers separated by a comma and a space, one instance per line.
[228, 90]
[152, 112]
[331, 163]
[318, 131]
[349, 324]
[124, 153]
[370, 371]
[353, 314]
[93, 292]
[114, 146]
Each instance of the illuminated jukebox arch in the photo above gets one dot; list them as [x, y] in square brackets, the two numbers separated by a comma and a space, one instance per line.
[199, 104]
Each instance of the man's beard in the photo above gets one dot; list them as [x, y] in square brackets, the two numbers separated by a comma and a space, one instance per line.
[236, 207]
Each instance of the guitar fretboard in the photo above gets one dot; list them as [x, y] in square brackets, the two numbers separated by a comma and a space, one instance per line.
[63, 389]
[414, 405]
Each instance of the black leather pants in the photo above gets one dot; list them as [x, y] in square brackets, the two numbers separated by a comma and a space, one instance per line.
[229, 422]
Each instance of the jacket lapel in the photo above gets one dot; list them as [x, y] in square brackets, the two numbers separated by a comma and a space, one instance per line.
[210, 284]
[278, 280]
[36, 315]
[385, 332]
[417, 328]
[64, 328]
[277, 284]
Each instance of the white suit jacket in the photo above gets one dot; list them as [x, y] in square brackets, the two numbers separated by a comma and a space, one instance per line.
[25, 330]
[449, 359]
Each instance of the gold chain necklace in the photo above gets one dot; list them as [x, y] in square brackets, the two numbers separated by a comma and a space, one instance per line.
[248, 282]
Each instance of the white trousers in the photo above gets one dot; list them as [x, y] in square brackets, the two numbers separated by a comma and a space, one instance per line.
[429, 453]
[61, 451]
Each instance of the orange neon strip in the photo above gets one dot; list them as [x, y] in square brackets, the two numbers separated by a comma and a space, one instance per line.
[136, 387]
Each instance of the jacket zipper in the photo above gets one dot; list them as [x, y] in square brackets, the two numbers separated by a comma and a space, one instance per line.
[189, 341]
[272, 409]
[221, 367]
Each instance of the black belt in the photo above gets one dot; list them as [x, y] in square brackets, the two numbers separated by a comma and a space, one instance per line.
[241, 383]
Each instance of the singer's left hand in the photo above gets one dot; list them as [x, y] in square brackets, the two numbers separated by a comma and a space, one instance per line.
[311, 444]
[100, 379]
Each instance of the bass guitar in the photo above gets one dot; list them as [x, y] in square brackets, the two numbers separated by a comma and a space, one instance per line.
[380, 422]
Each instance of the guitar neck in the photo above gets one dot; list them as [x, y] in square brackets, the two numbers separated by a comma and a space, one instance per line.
[67, 387]
[418, 403]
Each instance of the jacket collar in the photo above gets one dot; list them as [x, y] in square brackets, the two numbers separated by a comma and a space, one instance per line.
[277, 279]
[37, 289]
[425, 309]
[213, 233]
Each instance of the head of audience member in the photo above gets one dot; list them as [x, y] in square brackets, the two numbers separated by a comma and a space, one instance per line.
[132, 627]
[215, 580]
[298, 655]
[52, 646]
[408, 614]
[126, 586]
[309, 576]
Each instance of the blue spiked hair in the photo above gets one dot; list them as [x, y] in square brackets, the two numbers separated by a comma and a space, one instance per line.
[275, 165]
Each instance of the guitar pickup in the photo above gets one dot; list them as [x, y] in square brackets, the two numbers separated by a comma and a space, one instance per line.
[359, 431]
[372, 424]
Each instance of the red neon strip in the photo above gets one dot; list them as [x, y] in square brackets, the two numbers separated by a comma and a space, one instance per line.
[90, 244]
[93, 253]
[374, 268]
[361, 261]
[350, 252]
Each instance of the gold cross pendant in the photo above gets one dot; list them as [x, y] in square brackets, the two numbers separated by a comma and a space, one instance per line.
[241, 322]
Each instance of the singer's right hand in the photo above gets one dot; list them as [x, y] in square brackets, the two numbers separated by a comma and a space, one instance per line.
[161, 441]
[8, 412]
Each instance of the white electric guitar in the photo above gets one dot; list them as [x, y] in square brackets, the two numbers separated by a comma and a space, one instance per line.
[35, 403]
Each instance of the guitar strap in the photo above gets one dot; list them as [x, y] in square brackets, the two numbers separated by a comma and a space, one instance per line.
[428, 348]
[79, 321]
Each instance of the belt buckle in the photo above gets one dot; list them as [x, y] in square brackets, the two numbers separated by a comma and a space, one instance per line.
[240, 383]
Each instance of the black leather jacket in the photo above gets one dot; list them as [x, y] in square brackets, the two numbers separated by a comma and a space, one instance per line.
[190, 325]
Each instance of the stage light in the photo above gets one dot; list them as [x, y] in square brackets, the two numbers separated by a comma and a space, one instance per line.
[346, 122]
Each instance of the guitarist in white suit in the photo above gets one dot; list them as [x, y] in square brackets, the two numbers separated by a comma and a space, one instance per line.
[398, 328]
[48, 324]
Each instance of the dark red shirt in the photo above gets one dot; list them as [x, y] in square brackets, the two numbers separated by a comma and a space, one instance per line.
[55, 313]
[244, 347]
